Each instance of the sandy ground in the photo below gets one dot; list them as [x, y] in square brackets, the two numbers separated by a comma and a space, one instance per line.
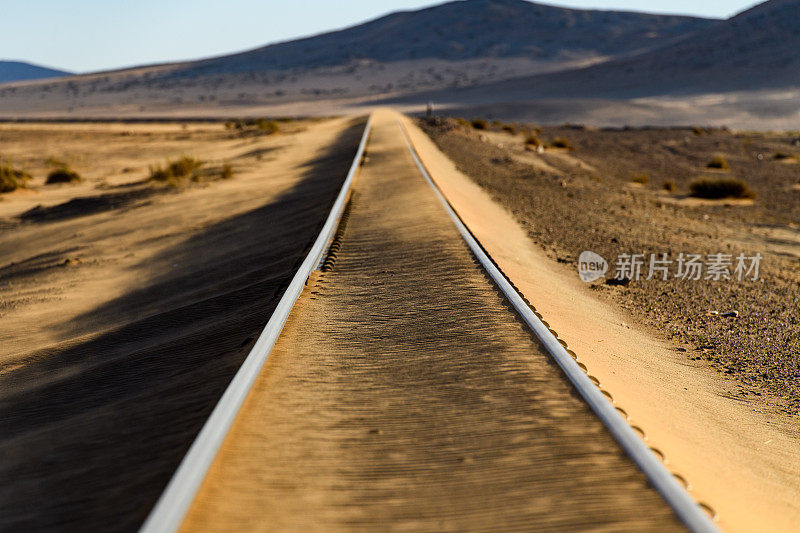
[134, 293]
[405, 394]
[127, 307]
[736, 444]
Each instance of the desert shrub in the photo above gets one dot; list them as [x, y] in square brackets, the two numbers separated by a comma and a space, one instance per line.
[62, 175]
[697, 131]
[227, 172]
[250, 126]
[11, 178]
[561, 142]
[640, 177]
[533, 140]
[479, 124]
[463, 122]
[720, 188]
[267, 126]
[510, 128]
[719, 162]
[183, 168]
[782, 156]
[669, 186]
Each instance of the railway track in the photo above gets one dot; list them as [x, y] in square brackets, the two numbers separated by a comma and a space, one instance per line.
[411, 385]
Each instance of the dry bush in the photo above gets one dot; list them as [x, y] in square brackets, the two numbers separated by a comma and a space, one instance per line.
[178, 170]
[533, 140]
[669, 186]
[479, 124]
[720, 188]
[227, 172]
[510, 128]
[640, 177]
[254, 126]
[62, 175]
[780, 156]
[11, 178]
[267, 126]
[719, 163]
[561, 142]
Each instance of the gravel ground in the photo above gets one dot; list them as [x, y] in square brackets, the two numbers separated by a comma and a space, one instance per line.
[584, 198]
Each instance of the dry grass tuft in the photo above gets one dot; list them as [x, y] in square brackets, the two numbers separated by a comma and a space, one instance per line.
[479, 124]
[719, 163]
[721, 188]
[177, 171]
[533, 140]
[561, 142]
[267, 126]
[11, 178]
[62, 175]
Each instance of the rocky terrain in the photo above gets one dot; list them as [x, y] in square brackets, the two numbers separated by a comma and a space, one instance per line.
[625, 191]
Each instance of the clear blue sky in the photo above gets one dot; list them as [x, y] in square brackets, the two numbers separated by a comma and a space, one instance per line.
[87, 35]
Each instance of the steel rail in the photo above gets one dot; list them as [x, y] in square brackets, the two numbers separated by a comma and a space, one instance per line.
[173, 504]
[681, 502]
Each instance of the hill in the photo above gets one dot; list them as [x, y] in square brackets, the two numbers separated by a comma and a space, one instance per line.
[456, 44]
[19, 71]
[469, 29]
[757, 50]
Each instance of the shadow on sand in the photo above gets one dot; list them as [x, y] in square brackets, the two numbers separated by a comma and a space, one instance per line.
[91, 433]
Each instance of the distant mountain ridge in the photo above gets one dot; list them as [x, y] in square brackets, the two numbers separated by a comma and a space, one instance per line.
[457, 31]
[469, 29]
[20, 71]
[758, 49]
[474, 57]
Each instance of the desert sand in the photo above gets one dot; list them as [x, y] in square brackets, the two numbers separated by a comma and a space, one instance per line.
[127, 311]
[120, 294]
